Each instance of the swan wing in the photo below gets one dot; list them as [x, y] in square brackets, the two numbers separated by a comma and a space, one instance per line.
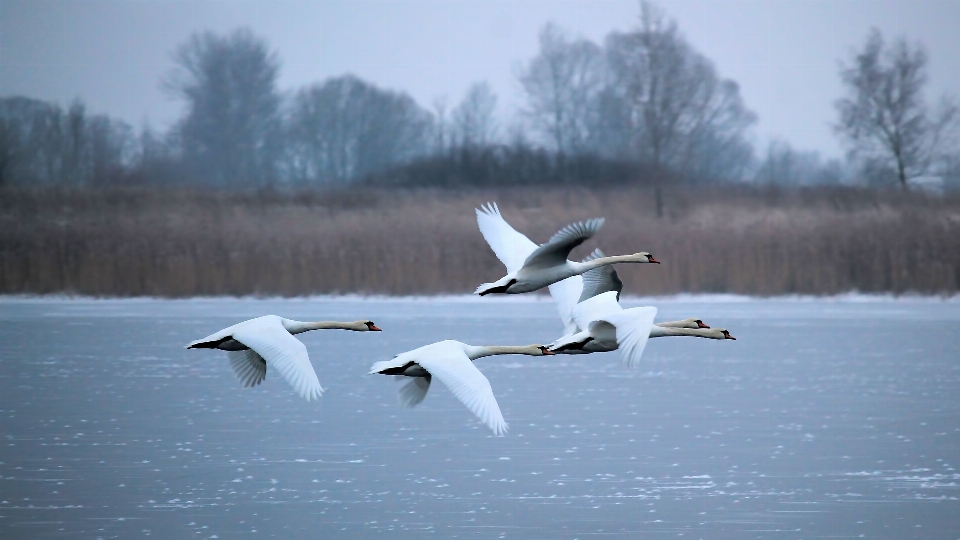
[249, 367]
[228, 331]
[599, 280]
[556, 250]
[571, 341]
[633, 330]
[413, 391]
[284, 353]
[397, 361]
[448, 362]
[596, 308]
[510, 246]
[565, 294]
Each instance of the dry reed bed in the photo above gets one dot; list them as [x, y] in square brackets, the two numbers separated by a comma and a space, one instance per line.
[183, 243]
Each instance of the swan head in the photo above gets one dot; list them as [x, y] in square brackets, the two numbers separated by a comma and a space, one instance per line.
[645, 257]
[368, 326]
[544, 351]
[700, 324]
[718, 333]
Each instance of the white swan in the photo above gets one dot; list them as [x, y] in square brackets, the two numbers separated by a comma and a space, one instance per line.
[607, 327]
[452, 362]
[253, 344]
[568, 293]
[531, 267]
[575, 289]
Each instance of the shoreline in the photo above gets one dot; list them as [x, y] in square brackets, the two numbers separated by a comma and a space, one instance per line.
[713, 298]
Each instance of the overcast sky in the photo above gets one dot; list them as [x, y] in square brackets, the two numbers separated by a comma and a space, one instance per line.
[783, 53]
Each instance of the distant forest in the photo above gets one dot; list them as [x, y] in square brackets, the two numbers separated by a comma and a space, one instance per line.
[642, 108]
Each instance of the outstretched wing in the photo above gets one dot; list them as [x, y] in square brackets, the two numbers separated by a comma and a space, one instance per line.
[212, 339]
[285, 354]
[556, 250]
[633, 330]
[565, 294]
[511, 247]
[596, 308]
[449, 363]
[413, 391]
[249, 367]
[599, 280]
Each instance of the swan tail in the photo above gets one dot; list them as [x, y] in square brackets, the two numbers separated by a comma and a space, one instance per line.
[387, 365]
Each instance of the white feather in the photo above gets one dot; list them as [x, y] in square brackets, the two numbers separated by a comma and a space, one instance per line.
[632, 325]
[565, 294]
[283, 352]
[633, 330]
[249, 367]
[448, 362]
[413, 392]
[510, 246]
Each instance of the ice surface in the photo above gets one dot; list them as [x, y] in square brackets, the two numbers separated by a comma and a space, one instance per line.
[837, 418]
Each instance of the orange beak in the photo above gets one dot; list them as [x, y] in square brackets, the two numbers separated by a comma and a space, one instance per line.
[547, 352]
[651, 259]
[701, 325]
[374, 328]
[728, 336]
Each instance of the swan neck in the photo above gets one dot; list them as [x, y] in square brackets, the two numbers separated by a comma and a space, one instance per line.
[493, 350]
[686, 323]
[604, 261]
[297, 327]
[665, 331]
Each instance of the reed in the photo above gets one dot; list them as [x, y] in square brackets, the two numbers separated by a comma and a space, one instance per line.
[179, 242]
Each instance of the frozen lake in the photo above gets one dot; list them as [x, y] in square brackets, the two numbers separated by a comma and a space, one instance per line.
[825, 418]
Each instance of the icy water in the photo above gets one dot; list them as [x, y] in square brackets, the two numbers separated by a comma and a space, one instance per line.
[829, 418]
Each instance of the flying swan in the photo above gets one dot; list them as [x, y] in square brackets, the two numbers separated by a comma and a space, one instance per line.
[253, 344]
[531, 267]
[568, 293]
[452, 362]
[605, 326]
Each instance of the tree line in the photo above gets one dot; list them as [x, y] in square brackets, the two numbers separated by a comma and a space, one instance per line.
[643, 106]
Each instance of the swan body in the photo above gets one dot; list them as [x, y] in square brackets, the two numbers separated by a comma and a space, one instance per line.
[531, 267]
[568, 293]
[610, 327]
[605, 326]
[452, 362]
[253, 344]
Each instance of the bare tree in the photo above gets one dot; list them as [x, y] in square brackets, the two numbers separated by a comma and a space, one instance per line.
[677, 114]
[782, 165]
[652, 66]
[40, 143]
[230, 134]
[562, 84]
[473, 120]
[345, 128]
[883, 117]
[441, 126]
[943, 153]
